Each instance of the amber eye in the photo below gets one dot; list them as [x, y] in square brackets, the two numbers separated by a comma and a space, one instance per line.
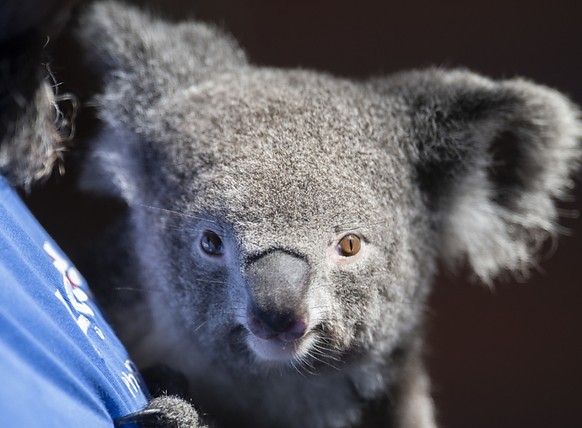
[349, 245]
[211, 244]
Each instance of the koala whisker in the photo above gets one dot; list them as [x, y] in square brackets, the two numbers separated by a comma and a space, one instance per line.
[318, 344]
[202, 324]
[297, 369]
[316, 350]
[326, 352]
[322, 361]
[307, 365]
[169, 211]
[182, 228]
[303, 363]
[322, 354]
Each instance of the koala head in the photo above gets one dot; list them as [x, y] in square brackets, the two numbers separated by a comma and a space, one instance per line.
[289, 217]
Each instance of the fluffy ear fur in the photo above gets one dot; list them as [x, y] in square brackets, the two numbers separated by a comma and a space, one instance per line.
[145, 60]
[491, 157]
[148, 59]
[113, 164]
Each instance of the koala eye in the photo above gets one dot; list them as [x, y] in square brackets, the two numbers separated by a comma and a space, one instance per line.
[211, 244]
[349, 245]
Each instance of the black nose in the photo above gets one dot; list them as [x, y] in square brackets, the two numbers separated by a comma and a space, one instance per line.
[277, 283]
[268, 326]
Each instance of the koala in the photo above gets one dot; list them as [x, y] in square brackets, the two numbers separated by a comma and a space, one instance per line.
[283, 226]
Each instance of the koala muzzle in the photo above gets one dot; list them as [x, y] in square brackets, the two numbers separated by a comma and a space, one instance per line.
[277, 284]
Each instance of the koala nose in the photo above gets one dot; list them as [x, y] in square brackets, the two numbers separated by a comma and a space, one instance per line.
[286, 327]
[277, 284]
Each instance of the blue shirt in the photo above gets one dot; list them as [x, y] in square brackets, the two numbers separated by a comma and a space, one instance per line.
[61, 365]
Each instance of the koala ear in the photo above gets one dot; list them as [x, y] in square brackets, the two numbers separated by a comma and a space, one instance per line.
[144, 58]
[490, 159]
[144, 61]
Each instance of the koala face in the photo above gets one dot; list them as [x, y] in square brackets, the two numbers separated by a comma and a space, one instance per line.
[284, 225]
[282, 249]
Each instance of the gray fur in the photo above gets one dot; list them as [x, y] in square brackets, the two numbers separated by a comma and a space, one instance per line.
[174, 413]
[287, 162]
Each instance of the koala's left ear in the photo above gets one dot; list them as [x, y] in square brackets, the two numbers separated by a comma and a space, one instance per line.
[490, 158]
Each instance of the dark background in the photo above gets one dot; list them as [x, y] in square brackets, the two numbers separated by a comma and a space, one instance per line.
[510, 356]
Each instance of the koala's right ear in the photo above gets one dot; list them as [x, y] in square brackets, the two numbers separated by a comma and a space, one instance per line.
[144, 61]
[144, 58]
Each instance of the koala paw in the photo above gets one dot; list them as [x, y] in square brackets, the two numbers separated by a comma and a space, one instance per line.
[163, 412]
